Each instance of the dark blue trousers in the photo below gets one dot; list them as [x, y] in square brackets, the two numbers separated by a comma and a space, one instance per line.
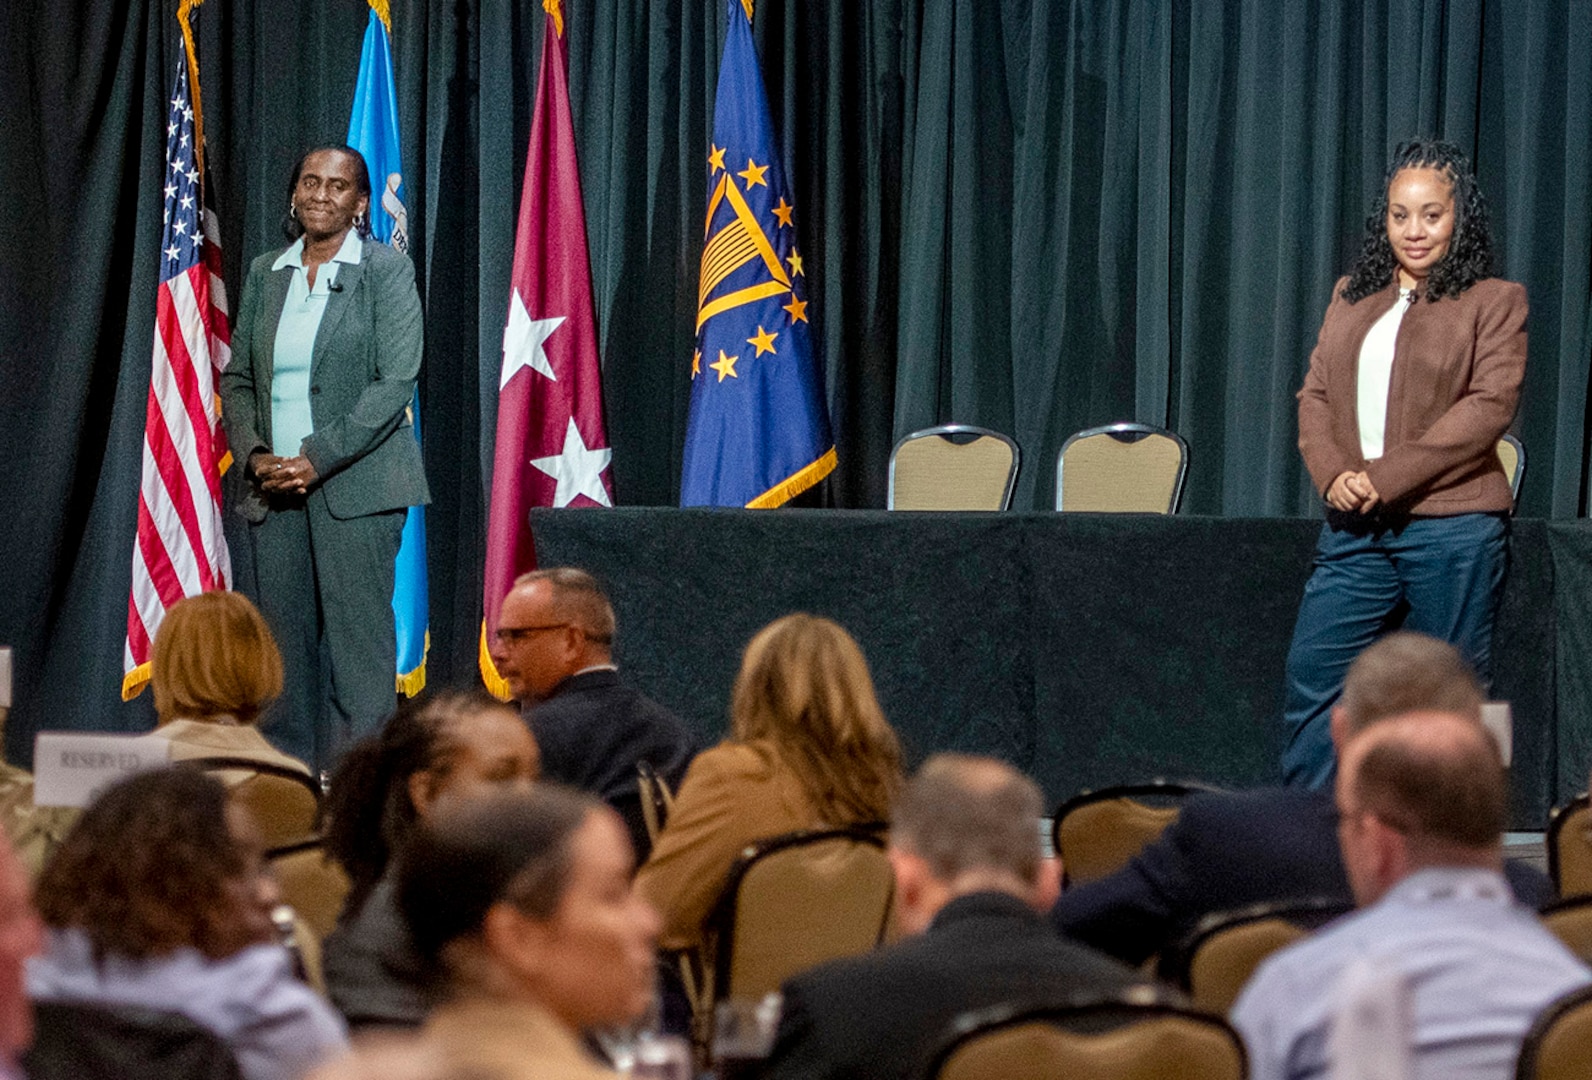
[1446, 572]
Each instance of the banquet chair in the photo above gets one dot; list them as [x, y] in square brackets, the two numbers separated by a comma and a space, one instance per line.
[1122, 468]
[1569, 843]
[1570, 921]
[284, 803]
[656, 799]
[1559, 1044]
[953, 467]
[74, 1040]
[790, 903]
[311, 882]
[1095, 833]
[1512, 455]
[1113, 1039]
[1224, 950]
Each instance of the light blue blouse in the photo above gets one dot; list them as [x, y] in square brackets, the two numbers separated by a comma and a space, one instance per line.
[295, 342]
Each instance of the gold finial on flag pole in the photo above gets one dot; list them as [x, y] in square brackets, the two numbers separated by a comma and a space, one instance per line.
[555, 8]
[184, 12]
[383, 12]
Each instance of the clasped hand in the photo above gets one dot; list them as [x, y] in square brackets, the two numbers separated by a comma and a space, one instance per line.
[1353, 491]
[283, 475]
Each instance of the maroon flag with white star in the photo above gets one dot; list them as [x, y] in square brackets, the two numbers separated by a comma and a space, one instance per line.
[552, 447]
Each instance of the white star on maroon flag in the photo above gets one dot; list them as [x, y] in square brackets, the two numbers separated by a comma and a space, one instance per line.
[523, 341]
[577, 469]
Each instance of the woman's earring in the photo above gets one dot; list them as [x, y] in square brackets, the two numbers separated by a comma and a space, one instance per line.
[292, 209]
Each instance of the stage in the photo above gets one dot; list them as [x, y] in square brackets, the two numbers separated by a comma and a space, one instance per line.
[1086, 649]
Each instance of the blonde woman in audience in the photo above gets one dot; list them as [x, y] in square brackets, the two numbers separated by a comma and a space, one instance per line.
[809, 747]
[214, 669]
[159, 899]
[523, 899]
[450, 746]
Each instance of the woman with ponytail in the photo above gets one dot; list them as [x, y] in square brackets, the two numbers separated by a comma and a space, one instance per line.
[452, 746]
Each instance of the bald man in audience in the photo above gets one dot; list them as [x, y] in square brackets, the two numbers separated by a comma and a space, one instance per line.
[1230, 850]
[1422, 804]
[971, 886]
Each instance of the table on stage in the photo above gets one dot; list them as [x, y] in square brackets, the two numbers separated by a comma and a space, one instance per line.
[1087, 649]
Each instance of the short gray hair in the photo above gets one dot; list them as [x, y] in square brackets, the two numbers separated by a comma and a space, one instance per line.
[962, 813]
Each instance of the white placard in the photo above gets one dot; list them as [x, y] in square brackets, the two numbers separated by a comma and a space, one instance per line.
[1497, 718]
[5, 676]
[70, 767]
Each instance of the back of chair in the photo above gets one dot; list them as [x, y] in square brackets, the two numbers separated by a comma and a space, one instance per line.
[284, 803]
[1559, 1044]
[77, 1041]
[1097, 832]
[656, 799]
[312, 883]
[1569, 843]
[1223, 952]
[1570, 921]
[953, 467]
[1512, 455]
[1113, 1041]
[795, 901]
[1122, 468]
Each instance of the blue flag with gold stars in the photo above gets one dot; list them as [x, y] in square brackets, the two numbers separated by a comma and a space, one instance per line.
[758, 432]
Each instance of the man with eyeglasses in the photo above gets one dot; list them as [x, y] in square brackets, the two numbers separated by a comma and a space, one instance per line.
[554, 648]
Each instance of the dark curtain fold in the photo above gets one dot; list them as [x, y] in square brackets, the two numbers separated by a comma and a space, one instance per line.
[1034, 215]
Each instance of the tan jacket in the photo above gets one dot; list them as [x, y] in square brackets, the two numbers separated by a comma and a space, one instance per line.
[1457, 367]
[732, 795]
[191, 739]
[509, 1040]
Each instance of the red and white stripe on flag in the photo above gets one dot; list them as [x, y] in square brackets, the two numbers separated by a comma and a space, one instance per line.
[181, 549]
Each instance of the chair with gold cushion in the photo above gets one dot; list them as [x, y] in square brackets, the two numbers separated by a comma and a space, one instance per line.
[1224, 950]
[656, 799]
[1124, 1039]
[1095, 833]
[311, 882]
[284, 803]
[1570, 920]
[790, 903]
[953, 467]
[1512, 456]
[1559, 1044]
[1569, 843]
[1122, 468]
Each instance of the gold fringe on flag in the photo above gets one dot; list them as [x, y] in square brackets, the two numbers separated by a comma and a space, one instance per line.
[134, 681]
[555, 8]
[412, 682]
[383, 12]
[184, 13]
[496, 685]
[747, 4]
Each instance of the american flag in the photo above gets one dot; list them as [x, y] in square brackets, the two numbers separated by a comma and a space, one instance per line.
[180, 550]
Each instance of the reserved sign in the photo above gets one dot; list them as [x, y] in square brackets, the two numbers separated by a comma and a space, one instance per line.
[70, 767]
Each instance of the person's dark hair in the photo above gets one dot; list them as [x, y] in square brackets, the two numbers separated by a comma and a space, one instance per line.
[290, 224]
[962, 813]
[510, 846]
[370, 812]
[1469, 257]
[144, 871]
[578, 597]
[1434, 778]
[1405, 672]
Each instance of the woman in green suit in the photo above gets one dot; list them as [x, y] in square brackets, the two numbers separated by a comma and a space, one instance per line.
[316, 404]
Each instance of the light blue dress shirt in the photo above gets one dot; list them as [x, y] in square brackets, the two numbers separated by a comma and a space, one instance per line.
[1479, 967]
[295, 341]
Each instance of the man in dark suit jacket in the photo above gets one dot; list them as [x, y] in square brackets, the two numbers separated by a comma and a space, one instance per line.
[971, 886]
[554, 647]
[1232, 850]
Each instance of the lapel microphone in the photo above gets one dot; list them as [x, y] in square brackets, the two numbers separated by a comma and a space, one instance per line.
[336, 286]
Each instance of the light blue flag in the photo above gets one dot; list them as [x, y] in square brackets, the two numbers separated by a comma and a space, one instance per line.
[758, 431]
[373, 131]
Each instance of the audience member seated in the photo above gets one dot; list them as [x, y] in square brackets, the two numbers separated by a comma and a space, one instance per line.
[809, 747]
[159, 898]
[554, 648]
[20, 937]
[1230, 850]
[448, 746]
[1422, 804]
[524, 899]
[972, 885]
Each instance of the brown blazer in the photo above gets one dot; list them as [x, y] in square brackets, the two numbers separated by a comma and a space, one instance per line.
[732, 795]
[1457, 366]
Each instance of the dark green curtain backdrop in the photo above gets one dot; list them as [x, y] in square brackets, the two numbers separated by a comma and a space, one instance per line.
[1036, 216]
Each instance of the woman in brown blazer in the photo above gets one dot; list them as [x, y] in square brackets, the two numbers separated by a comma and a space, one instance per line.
[1414, 378]
[809, 747]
